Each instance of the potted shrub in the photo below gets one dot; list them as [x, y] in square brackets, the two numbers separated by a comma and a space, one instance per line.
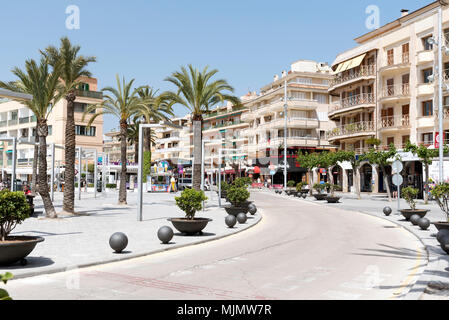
[410, 194]
[291, 191]
[237, 197]
[14, 209]
[300, 188]
[332, 198]
[190, 202]
[242, 183]
[224, 189]
[441, 195]
[320, 188]
[4, 295]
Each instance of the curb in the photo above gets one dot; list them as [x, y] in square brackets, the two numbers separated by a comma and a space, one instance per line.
[139, 255]
[416, 291]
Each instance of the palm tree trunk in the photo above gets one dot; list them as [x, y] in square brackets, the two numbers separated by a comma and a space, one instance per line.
[147, 139]
[386, 183]
[123, 146]
[426, 192]
[331, 180]
[356, 178]
[35, 162]
[136, 151]
[310, 182]
[43, 184]
[68, 204]
[197, 153]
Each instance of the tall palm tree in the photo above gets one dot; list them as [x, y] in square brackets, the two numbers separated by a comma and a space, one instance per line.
[45, 87]
[73, 67]
[122, 103]
[133, 137]
[197, 92]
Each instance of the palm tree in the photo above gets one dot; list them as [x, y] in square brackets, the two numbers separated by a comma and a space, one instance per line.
[73, 67]
[133, 137]
[197, 92]
[122, 103]
[45, 87]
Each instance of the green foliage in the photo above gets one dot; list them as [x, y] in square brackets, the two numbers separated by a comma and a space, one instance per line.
[380, 158]
[373, 142]
[224, 186]
[111, 186]
[410, 194]
[441, 194]
[190, 202]
[308, 160]
[91, 168]
[426, 155]
[3, 293]
[14, 209]
[320, 187]
[291, 183]
[301, 185]
[146, 165]
[242, 182]
[237, 195]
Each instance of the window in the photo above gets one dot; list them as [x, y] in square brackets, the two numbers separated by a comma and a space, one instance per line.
[427, 138]
[427, 108]
[84, 131]
[390, 57]
[390, 140]
[322, 98]
[406, 53]
[83, 87]
[50, 130]
[426, 74]
[405, 139]
[426, 44]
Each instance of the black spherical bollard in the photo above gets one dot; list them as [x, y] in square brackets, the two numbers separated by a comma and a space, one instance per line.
[415, 219]
[118, 242]
[252, 209]
[442, 234]
[387, 211]
[165, 234]
[445, 245]
[231, 221]
[242, 218]
[424, 223]
[304, 195]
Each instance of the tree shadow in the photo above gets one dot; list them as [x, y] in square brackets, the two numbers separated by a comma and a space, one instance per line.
[32, 262]
[390, 252]
[203, 234]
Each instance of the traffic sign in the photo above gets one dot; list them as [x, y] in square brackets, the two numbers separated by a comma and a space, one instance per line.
[398, 180]
[437, 140]
[272, 173]
[397, 167]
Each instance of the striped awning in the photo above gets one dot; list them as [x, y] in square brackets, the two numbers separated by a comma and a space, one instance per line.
[350, 64]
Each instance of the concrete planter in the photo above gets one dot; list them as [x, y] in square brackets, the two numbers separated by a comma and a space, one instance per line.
[441, 225]
[408, 213]
[190, 227]
[333, 199]
[17, 249]
[234, 211]
[320, 197]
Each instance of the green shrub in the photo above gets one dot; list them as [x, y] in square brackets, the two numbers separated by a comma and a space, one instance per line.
[410, 194]
[237, 195]
[14, 209]
[320, 187]
[242, 182]
[111, 185]
[441, 194]
[224, 186]
[291, 183]
[190, 202]
[300, 186]
[3, 293]
[90, 185]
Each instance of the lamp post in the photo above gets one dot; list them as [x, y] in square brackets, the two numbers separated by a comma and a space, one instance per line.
[285, 134]
[203, 149]
[220, 155]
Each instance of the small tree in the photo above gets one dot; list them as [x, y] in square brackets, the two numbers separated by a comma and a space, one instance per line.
[410, 194]
[426, 155]
[300, 186]
[355, 161]
[190, 202]
[320, 187]
[329, 160]
[14, 209]
[291, 183]
[237, 195]
[441, 194]
[308, 161]
[382, 159]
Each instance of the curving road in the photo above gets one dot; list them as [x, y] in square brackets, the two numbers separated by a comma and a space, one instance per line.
[300, 250]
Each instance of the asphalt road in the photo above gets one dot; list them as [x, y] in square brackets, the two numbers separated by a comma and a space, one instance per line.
[300, 250]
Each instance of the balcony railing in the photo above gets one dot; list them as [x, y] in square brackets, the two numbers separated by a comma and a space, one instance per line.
[360, 99]
[89, 94]
[24, 120]
[351, 129]
[402, 90]
[362, 71]
[12, 122]
[3, 123]
[395, 121]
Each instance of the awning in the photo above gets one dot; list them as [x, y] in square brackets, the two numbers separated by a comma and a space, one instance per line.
[350, 64]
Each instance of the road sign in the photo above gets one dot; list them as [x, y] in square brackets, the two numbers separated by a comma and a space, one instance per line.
[272, 167]
[398, 180]
[272, 173]
[397, 166]
[437, 140]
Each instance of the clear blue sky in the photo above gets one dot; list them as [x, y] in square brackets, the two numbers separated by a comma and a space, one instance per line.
[247, 40]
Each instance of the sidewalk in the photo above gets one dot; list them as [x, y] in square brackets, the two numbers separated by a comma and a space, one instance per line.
[78, 241]
[436, 273]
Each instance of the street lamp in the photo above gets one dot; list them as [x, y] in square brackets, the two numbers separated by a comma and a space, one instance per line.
[202, 162]
[285, 134]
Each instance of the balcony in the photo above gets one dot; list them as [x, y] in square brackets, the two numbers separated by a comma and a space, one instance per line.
[425, 89]
[222, 113]
[293, 141]
[395, 92]
[395, 122]
[24, 120]
[12, 122]
[302, 123]
[363, 72]
[89, 94]
[402, 65]
[425, 56]
[351, 103]
[352, 130]
[3, 123]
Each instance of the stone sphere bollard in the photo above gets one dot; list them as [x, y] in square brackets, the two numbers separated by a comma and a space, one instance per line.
[445, 246]
[165, 234]
[442, 234]
[414, 219]
[118, 242]
[252, 209]
[231, 221]
[387, 211]
[242, 218]
[304, 195]
[424, 223]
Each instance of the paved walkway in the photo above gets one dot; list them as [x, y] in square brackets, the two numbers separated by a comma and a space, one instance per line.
[75, 241]
[437, 270]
